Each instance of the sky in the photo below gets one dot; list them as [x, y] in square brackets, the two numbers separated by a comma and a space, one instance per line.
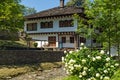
[40, 5]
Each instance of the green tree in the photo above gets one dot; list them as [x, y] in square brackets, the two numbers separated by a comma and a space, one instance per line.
[104, 14]
[74, 2]
[11, 17]
[28, 11]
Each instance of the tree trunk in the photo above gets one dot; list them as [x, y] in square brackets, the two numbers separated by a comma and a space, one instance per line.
[118, 46]
[109, 44]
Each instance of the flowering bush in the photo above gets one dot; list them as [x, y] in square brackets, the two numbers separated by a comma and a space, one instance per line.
[89, 65]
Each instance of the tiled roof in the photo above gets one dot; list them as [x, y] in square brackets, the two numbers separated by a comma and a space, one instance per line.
[57, 11]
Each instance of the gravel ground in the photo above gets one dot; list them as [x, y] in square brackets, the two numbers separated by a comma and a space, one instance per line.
[53, 74]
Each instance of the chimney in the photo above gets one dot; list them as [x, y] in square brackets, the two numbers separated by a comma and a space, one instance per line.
[61, 3]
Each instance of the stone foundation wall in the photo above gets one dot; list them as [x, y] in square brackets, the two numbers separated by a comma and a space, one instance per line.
[29, 56]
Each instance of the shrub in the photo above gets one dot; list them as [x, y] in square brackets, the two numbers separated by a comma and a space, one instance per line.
[35, 45]
[89, 65]
[116, 76]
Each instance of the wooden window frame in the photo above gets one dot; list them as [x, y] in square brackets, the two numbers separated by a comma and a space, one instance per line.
[46, 24]
[82, 40]
[32, 27]
[71, 39]
[94, 41]
[63, 39]
[66, 23]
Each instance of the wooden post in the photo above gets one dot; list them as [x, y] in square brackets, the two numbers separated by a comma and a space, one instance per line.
[75, 41]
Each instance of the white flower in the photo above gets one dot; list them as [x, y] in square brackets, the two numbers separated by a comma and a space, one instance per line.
[81, 48]
[98, 57]
[107, 59]
[70, 52]
[92, 78]
[63, 59]
[107, 64]
[85, 68]
[77, 50]
[116, 64]
[71, 68]
[85, 47]
[89, 79]
[82, 44]
[97, 75]
[84, 73]
[83, 61]
[67, 72]
[93, 59]
[108, 69]
[105, 71]
[101, 77]
[80, 76]
[70, 71]
[72, 61]
[77, 66]
[106, 78]
[89, 56]
[65, 51]
[102, 52]
[112, 66]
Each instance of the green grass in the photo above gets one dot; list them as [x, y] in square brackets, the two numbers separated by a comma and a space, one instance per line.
[12, 43]
[71, 78]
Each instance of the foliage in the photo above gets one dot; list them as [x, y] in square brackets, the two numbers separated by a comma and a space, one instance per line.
[116, 76]
[75, 3]
[35, 45]
[28, 11]
[84, 29]
[104, 15]
[4, 44]
[89, 65]
[11, 17]
[10, 43]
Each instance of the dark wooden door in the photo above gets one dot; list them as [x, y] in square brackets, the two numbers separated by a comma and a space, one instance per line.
[52, 41]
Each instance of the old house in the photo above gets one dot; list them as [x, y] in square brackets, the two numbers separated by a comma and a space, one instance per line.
[56, 27]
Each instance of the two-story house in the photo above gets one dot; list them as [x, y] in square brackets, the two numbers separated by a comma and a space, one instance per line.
[55, 27]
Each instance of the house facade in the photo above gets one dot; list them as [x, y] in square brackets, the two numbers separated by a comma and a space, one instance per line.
[56, 27]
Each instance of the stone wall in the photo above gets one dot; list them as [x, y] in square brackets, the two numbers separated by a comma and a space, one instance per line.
[29, 56]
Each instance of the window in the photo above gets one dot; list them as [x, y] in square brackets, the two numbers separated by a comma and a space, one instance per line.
[94, 41]
[66, 23]
[32, 27]
[82, 40]
[71, 39]
[63, 39]
[47, 24]
[100, 29]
